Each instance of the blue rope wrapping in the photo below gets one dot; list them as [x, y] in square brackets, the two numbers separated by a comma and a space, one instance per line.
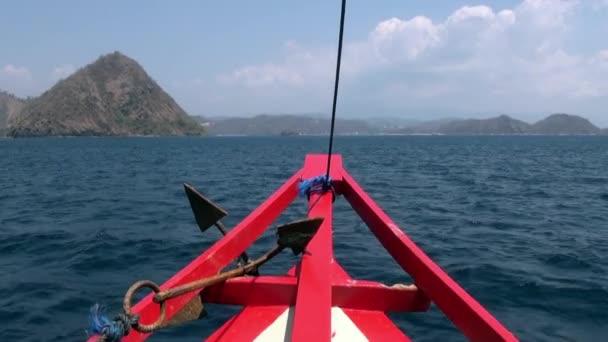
[110, 330]
[317, 184]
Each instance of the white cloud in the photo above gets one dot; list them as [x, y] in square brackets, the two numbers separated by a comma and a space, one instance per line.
[546, 14]
[263, 75]
[474, 12]
[298, 68]
[62, 71]
[395, 39]
[476, 58]
[602, 56]
[393, 43]
[19, 73]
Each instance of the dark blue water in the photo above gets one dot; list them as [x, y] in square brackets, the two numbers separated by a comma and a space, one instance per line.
[520, 222]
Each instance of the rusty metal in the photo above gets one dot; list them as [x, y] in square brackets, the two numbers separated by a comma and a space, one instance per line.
[207, 214]
[297, 234]
[162, 296]
[243, 258]
[192, 311]
[294, 235]
[126, 305]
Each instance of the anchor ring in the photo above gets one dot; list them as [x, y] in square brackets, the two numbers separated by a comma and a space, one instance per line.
[126, 305]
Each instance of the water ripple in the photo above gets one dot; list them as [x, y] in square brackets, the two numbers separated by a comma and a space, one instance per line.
[519, 222]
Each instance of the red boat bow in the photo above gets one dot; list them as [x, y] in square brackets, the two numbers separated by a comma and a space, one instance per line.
[317, 299]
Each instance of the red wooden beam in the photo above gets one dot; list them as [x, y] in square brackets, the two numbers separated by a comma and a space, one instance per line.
[218, 256]
[316, 165]
[375, 325]
[312, 313]
[346, 294]
[463, 310]
[252, 291]
[373, 296]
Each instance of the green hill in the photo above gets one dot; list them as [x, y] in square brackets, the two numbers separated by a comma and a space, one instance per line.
[281, 124]
[564, 124]
[498, 125]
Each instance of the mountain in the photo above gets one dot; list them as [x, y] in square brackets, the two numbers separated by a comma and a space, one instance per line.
[112, 96]
[499, 125]
[285, 124]
[504, 125]
[391, 123]
[564, 124]
[425, 127]
[303, 124]
[433, 125]
[604, 131]
[10, 106]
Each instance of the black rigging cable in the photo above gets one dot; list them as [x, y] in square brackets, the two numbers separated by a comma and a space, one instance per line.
[333, 111]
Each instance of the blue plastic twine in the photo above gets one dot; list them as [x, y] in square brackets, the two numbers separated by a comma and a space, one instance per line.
[308, 186]
[111, 330]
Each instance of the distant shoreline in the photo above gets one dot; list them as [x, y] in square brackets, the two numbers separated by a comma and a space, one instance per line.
[301, 125]
[298, 136]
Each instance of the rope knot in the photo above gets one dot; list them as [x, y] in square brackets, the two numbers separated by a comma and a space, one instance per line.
[110, 330]
[314, 185]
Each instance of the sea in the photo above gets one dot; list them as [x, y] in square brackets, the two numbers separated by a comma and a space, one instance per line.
[521, 223]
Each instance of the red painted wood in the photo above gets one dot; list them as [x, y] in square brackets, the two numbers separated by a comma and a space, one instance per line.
[312, 313]
[349, 294]
[316, 165]
[247, 324]
[252, 291]
[375, 325]
[253, 320]
[321, 282]
[372, 296]
[338, 274]
[218, 256]
[465, 312]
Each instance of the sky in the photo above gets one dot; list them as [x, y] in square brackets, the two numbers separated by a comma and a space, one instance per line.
[412, 59]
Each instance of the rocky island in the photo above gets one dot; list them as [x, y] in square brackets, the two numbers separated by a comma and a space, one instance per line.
[557, 124]
[114, 96]
[286, 124]
[554, 124]
[10, 106]
[499, 125]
